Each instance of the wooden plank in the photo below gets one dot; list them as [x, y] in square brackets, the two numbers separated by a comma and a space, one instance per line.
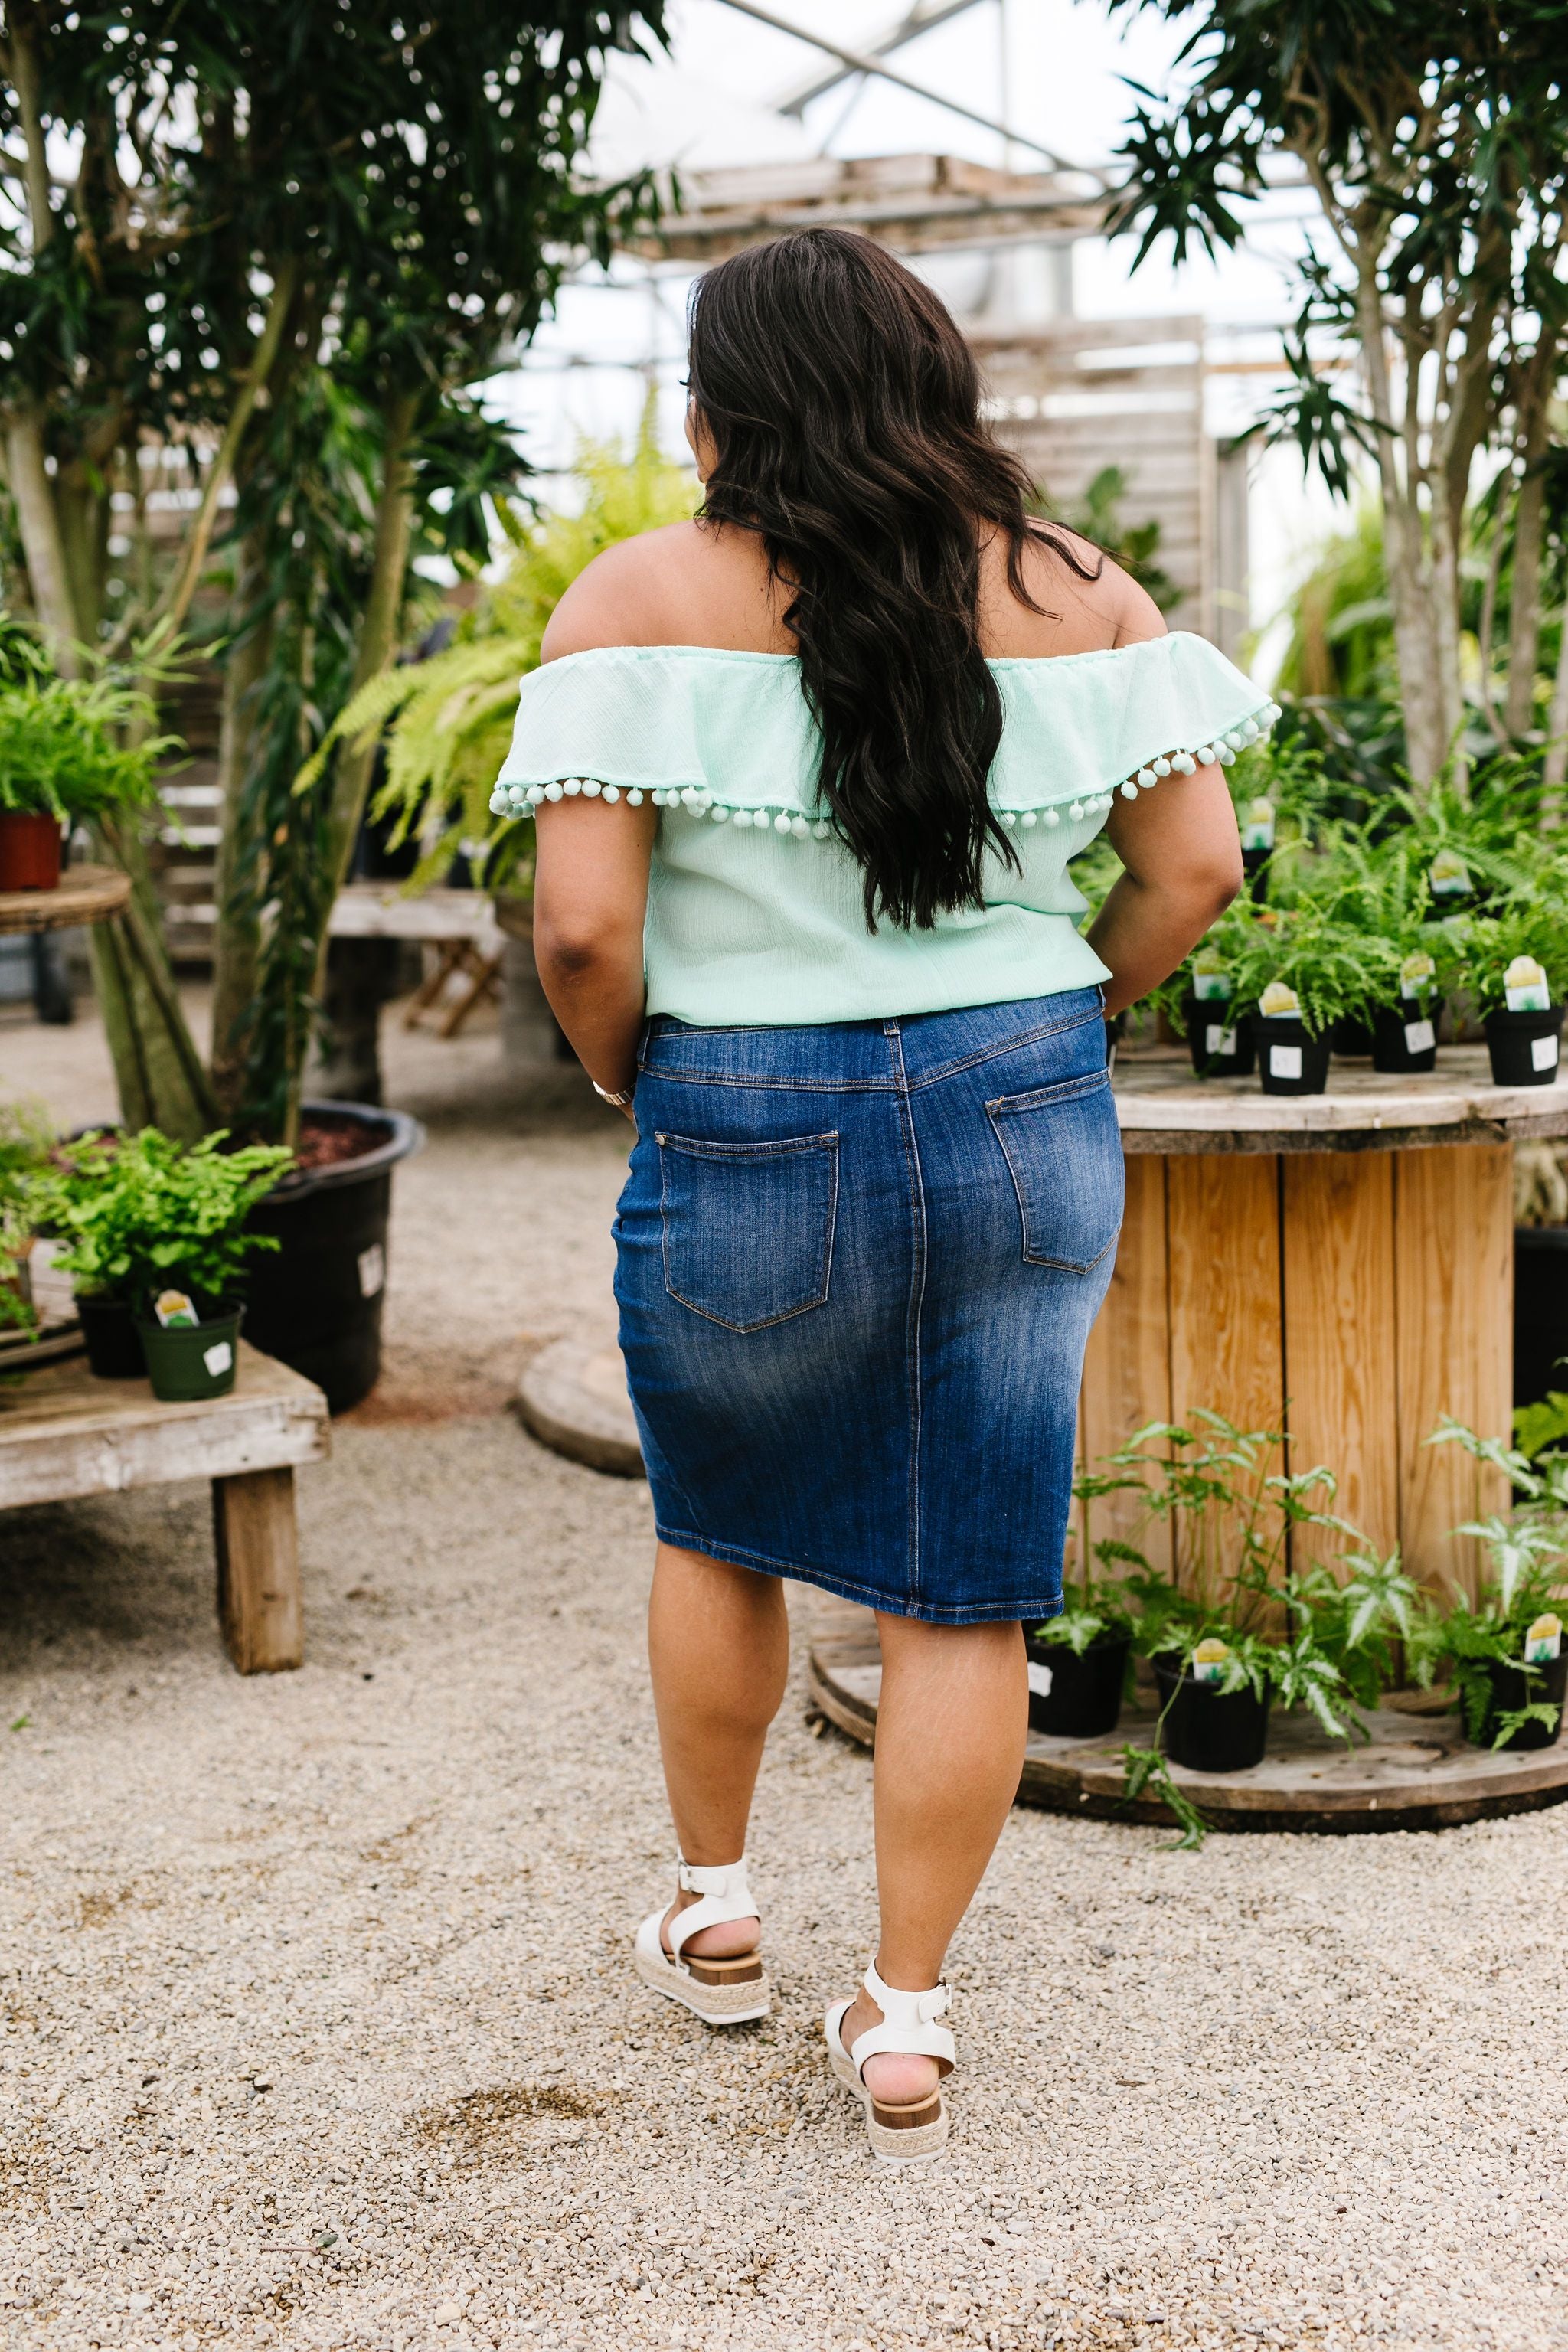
[1127, 1367]
[1340, 1336]
[257, 1544]
[1226, 1333]
[63, 1433]
[1453, 1233]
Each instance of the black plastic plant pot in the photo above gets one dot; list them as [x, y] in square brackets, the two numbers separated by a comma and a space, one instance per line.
[1539, 1311]
[189, 1363]
[1220, 1042]
[113, 1342]
[1291, 1061]
[315, 1302]
[1085, 1696]
[1351, 1040]
[1405, 1038]
[1524, 1047]
[1513, 1688]
[1210, 1731]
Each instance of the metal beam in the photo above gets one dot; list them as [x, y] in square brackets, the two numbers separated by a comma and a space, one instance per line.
[858, 62]
[917, 20]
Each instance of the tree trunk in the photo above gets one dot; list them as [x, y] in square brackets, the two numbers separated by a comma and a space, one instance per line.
[236, 934]
[378, 643]
[157, 1067]
[42, 548]
[1524, 600]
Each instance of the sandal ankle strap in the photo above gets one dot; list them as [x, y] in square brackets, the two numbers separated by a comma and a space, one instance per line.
[909, 2024]
[723, 1895]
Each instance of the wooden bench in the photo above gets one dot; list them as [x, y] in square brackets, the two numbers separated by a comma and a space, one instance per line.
[63, 1433]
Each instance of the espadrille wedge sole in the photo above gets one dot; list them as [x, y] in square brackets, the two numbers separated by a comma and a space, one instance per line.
[917, 2131]
[721, 1991]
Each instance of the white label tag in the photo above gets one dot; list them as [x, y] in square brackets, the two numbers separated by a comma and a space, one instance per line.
[1219, 1041]
[218, 1358]
[1039, 1679]
[1285, 1061]
[1419, 1037]
[371, 1270]
[1544, 1053]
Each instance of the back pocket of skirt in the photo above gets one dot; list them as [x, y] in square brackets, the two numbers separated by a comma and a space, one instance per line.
[1063, 1148]
[747, 1227]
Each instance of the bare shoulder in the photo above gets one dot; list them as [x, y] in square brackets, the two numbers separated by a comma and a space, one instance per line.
[1088, 603]
[625, 596]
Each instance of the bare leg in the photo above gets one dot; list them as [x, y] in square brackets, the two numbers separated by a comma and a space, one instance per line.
[950, 1725]
[717, 1641]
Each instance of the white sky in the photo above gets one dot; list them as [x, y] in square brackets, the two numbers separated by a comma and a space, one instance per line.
[708, 104]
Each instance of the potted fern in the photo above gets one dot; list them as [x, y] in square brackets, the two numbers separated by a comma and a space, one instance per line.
[1298, 971]
[69, 755]
[1505, 1651]
[1077, 1662]
[155, 1232]
[1515, 965]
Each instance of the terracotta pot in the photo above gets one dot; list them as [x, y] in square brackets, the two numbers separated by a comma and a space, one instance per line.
[29, 851]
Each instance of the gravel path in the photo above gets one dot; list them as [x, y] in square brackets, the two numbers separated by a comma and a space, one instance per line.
[317, 2023]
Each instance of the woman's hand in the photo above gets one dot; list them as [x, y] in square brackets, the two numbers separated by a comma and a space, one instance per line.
[1183, 856]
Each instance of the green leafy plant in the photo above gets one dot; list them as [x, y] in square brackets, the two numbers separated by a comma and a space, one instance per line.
[78, 749]
[27, 1141]
[1527, 1552]
[1312, 950]
[1488, 945]
[137, 1213]
[1097, 1607]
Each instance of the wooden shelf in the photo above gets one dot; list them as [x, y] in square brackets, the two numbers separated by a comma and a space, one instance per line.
[87, 893]
[1164, 1108]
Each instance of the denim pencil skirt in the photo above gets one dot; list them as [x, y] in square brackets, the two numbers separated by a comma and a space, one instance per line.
[857, 1268]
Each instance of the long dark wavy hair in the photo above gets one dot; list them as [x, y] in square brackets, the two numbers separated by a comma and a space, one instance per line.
[844, 409]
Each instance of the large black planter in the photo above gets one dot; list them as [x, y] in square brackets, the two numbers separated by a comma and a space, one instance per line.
[1289, 1060]
[1539, 1311]
[1210, 1731]
[1524, 1047]
[315, 1303]
[1084, 1700]
[1209, 1022]
[1512, 1687]
[1404, 1039]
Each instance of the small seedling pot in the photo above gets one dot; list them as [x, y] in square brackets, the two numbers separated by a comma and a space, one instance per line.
[1524, 1047]
[1291, 1061]
[1210, 1731]
[1351, 1040]
[29, 851]
[191, 1362]
[1085, 1696]
[1512, 1687]
[1221, 1042]
[113, 1341]
[1404, 1039]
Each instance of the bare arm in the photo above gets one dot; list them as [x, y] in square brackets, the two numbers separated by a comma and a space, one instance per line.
[1183, 856]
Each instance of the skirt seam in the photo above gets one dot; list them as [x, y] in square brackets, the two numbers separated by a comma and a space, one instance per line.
[912, 1313]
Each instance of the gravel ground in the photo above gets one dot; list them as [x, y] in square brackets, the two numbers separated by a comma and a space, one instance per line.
[317, 2022]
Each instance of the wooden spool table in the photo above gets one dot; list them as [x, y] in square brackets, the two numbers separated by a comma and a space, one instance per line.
[1338, 1266]
[87, 893]
[63, 1433]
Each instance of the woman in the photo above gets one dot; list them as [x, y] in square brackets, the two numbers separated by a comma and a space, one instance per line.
[808, 772]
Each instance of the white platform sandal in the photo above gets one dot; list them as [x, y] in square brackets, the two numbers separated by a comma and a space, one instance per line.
[913, 2133]
[722, 1992]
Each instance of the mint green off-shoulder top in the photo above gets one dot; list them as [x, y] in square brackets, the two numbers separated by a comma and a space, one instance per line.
[755, 911]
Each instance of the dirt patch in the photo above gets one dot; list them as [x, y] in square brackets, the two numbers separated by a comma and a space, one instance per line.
[486, 2126]
[92, 1909]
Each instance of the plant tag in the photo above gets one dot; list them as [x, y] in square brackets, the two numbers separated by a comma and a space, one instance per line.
[1543, 1641]
[1524, 983]
[1544, 1053]
[1257, 825]
[1277, 998]
[1039, 1679]
[1208, 1659]
[371, 1270]
[1210, 987]
[1285, 1061]
[1416, 975]
[218, 1358]
[174, 1310]
[1450, 876]
[1419, 1037]
[1219, 1041]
